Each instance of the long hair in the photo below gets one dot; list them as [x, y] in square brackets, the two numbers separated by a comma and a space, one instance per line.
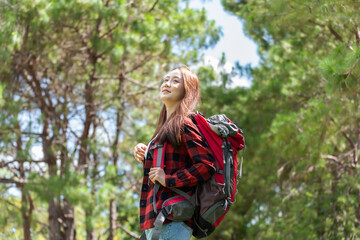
[170, 129]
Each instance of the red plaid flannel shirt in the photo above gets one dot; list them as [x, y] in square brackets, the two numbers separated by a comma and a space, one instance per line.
[184, 167]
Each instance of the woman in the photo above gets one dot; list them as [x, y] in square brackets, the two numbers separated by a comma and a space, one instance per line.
[188, 158]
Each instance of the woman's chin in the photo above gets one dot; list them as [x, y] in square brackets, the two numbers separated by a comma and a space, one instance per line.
[165, 97]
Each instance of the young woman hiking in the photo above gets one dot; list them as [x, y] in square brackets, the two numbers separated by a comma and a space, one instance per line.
[188, 158]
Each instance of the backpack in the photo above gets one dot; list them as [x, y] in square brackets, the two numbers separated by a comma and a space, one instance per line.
[210, 202]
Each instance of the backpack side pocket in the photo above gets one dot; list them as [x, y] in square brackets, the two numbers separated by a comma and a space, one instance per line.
[178, 209]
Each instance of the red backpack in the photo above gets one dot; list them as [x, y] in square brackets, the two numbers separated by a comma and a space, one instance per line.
[215, 196]
[212, 198]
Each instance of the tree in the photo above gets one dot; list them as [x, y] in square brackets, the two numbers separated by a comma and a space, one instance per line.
[302, 114]
[74, 73]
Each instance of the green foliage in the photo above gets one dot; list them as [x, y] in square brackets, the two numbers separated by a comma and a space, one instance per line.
[302, 119]
[68, 63]
[10, 217]
[78, 90]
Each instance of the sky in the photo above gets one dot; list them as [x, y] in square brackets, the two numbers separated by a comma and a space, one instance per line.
[235, 45]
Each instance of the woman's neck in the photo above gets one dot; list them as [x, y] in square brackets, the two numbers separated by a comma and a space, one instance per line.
[170, 109]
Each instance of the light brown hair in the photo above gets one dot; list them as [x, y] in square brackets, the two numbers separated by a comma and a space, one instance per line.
[170, 129]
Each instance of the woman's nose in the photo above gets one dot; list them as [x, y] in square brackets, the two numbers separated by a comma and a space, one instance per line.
[167, 83]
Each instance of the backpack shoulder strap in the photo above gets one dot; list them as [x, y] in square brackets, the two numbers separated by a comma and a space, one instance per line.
[158, 161]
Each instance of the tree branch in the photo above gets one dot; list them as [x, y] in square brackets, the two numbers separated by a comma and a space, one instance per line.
[149, 87]
[357, 35]
[153, 7]
[138, 92]
[110, 30]
[348, 72]
[17, 182]
[337, 36]
[4, 164]
[132, 234]
[332, 158]
[140, 64]
[352, 145]
[35, 220]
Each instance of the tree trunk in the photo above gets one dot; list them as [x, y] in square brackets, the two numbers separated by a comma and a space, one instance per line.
[90, 235]
[69, 220]
[26, 211]
[54, 220]
[54, 208]
[26, 206]
[112, 219]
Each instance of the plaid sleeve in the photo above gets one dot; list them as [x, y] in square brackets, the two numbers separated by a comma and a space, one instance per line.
[203, 161]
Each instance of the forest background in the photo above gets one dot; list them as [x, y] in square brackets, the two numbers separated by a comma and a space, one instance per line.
[79, 83]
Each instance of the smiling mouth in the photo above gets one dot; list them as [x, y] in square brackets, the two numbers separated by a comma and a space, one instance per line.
[165, 91]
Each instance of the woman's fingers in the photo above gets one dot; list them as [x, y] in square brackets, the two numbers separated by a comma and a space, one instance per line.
[157, 174]
[139, 158]
[139, 152]
[152, 175]
[140, 155]
[152, 172]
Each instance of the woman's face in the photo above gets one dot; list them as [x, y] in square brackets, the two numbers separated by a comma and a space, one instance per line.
[172, 89]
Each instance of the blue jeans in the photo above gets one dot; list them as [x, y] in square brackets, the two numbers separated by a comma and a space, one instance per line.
[172, 231]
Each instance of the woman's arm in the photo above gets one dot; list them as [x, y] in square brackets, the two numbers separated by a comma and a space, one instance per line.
[203, 161]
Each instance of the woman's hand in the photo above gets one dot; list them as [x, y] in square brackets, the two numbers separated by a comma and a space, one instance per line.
[157, 174]
[139, 152]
